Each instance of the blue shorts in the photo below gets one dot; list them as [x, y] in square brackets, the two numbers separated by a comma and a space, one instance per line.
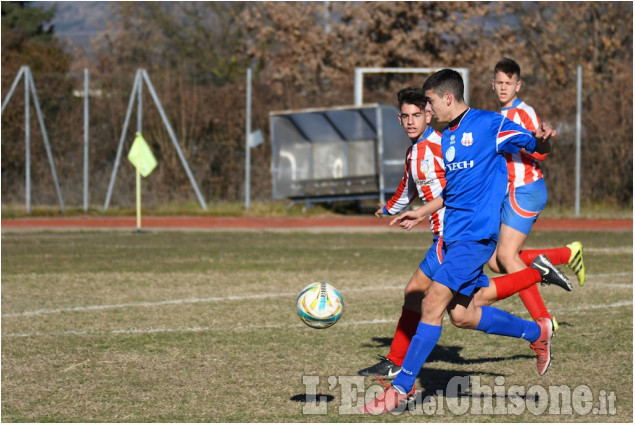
[462, 267]
[522, 205]
[433, 259]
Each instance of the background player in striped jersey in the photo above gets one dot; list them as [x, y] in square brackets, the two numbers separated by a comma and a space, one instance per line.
[526, 197]
[424, 177]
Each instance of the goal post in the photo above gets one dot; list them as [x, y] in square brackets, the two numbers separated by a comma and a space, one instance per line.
[359, 78]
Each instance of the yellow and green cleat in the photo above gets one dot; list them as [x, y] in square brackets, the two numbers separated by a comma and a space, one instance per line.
[576, 263]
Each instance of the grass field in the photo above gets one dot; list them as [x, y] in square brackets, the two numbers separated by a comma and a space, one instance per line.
[201, 327]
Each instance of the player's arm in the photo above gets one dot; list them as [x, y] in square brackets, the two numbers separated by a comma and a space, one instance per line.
[545, 149]
[529, 119]
[532, 124]
[513, 137]
[399, 201]
[405, 194]
[410, 219]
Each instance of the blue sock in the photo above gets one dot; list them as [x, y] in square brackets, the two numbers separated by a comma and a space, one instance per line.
[420, 348]
[499, 322]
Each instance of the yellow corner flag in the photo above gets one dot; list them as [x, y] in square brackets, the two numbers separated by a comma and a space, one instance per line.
[141, 156]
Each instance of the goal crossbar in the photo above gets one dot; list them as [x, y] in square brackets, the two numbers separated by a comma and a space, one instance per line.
[359, 78]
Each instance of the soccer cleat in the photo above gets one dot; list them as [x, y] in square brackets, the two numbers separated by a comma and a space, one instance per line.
[387, 400]
[542, 346]
[555, 324]
[385, 367]
[576, 263]
[549, 274]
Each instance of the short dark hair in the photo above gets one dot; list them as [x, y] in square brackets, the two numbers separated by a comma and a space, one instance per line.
[412, 96]
[446, 81]
[507, 66]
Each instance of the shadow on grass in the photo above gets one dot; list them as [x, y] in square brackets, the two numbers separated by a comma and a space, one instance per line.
[451, 354]
[463, 384]
[312, 398]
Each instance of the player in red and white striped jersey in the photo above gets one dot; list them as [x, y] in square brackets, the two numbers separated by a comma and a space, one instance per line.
[526, 196]
[424, 177]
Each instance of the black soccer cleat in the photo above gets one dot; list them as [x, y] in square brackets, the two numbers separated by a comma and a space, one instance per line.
[549, 274]
[385, 367]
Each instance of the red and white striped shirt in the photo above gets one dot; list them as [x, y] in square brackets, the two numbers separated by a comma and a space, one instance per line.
[523, 168]
[424, 176]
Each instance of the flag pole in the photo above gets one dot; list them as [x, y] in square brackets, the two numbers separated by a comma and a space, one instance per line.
[144, 162]
[138, 175]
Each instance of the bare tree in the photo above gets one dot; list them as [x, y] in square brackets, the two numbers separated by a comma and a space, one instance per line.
[303, 55]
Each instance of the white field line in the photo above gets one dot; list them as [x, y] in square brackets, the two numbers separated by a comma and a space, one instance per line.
[147, 304]
[178, 301]
[181, 329]
[612, 274]
[250, 297]
[424, 248]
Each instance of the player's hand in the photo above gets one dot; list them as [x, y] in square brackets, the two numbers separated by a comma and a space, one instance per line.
[544, 132]
[407, 220]
[380, 212]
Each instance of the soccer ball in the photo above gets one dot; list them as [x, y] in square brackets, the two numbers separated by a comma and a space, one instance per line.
[320, 305]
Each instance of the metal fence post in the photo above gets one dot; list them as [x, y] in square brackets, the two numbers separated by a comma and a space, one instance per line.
[578, 140]
[247, 144]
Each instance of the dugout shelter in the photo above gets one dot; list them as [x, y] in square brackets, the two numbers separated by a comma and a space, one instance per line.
[337, 153]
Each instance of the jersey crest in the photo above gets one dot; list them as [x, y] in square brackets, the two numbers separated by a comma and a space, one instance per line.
[467, 139]
[425, 166]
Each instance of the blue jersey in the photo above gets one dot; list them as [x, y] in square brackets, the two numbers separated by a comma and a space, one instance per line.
[476, 172]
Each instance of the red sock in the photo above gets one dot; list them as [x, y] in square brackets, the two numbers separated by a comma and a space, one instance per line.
[555, 255]
[534, 303]
[406, 329]
[511, 283]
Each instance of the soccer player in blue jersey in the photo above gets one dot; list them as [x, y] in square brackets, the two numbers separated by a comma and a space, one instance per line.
[424, 177]
[472, 145]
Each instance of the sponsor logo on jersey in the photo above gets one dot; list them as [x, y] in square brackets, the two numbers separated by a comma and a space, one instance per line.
[449, 154]
[467, 139]
[452, 139]
[427, 182]
[459, 165]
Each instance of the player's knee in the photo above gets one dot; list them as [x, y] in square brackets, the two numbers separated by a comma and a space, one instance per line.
[505, 259]
[482, 298]
[461, 319]
[493, 265]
